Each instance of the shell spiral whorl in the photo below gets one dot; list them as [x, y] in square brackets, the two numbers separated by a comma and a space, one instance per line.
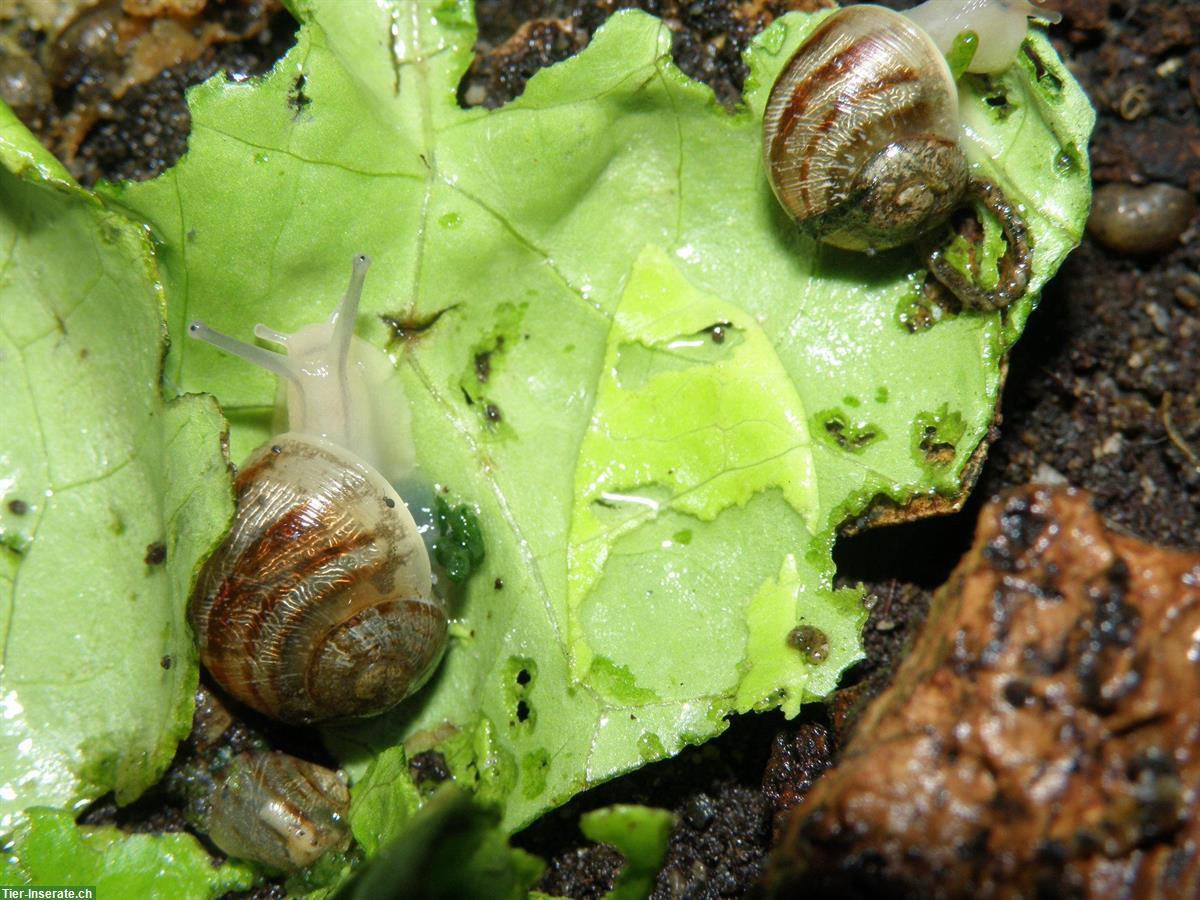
[862, 132]
[319, 604]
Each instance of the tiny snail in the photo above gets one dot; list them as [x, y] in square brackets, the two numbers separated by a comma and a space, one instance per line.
[281, 811]
[319, 604]
[861, 134]
[252, 802]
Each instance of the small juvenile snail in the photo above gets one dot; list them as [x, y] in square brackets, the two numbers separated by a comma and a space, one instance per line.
[320, 605]
[861, 135]
[252, 802]
[279, 810]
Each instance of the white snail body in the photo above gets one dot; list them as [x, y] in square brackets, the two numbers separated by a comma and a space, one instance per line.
[319, 604]
[861, 134]
[1000, 25]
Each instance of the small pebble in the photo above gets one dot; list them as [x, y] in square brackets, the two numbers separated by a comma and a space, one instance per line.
[1140, 220]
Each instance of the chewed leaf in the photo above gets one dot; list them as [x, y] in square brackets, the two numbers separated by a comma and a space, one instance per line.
[641, 834]
[694, 414]
[657, 399]
[801, 637]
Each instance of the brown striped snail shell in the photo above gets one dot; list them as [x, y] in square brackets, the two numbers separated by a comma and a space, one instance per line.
[861, 132]
[281, 811]
[861, 146]
[319, 604]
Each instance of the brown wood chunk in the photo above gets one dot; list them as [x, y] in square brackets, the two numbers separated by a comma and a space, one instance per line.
[1041, 739]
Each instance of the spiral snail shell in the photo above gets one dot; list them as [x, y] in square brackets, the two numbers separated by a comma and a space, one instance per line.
[862, 132]
[319, 604]
[861, 142]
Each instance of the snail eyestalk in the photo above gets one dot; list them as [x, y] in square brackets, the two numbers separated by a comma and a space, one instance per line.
[347, 311]
[333, 381]
[264, 359]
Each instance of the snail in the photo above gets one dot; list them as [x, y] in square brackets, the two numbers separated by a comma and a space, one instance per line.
[861, 135]
[253, 802]
[319, 605]
[277, 809]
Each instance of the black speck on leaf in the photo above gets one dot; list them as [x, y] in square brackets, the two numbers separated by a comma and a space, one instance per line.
[483, 366]
[297, 99]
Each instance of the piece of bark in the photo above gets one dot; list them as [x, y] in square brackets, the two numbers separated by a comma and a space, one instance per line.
[1042, 738]
[798, 758]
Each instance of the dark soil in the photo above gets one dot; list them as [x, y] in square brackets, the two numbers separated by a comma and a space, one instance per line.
[1103, 390]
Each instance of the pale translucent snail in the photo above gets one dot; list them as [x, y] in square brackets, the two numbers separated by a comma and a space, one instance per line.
[999, 24]
[251, 802]
[861, 133]
[279, 810]
[320, 604]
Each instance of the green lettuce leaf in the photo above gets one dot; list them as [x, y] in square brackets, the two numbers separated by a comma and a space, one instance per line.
[383, 801]
[661, 400]
[641, 833]
[109, 498]
[48, 848]
[453, 847]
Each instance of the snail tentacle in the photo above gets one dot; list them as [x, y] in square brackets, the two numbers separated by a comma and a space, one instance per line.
[273, 362]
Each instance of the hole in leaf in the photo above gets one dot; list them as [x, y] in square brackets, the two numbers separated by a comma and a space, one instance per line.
[936, 437]
[846, 434]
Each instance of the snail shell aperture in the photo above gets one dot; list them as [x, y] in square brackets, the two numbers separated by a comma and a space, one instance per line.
[319, 604]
